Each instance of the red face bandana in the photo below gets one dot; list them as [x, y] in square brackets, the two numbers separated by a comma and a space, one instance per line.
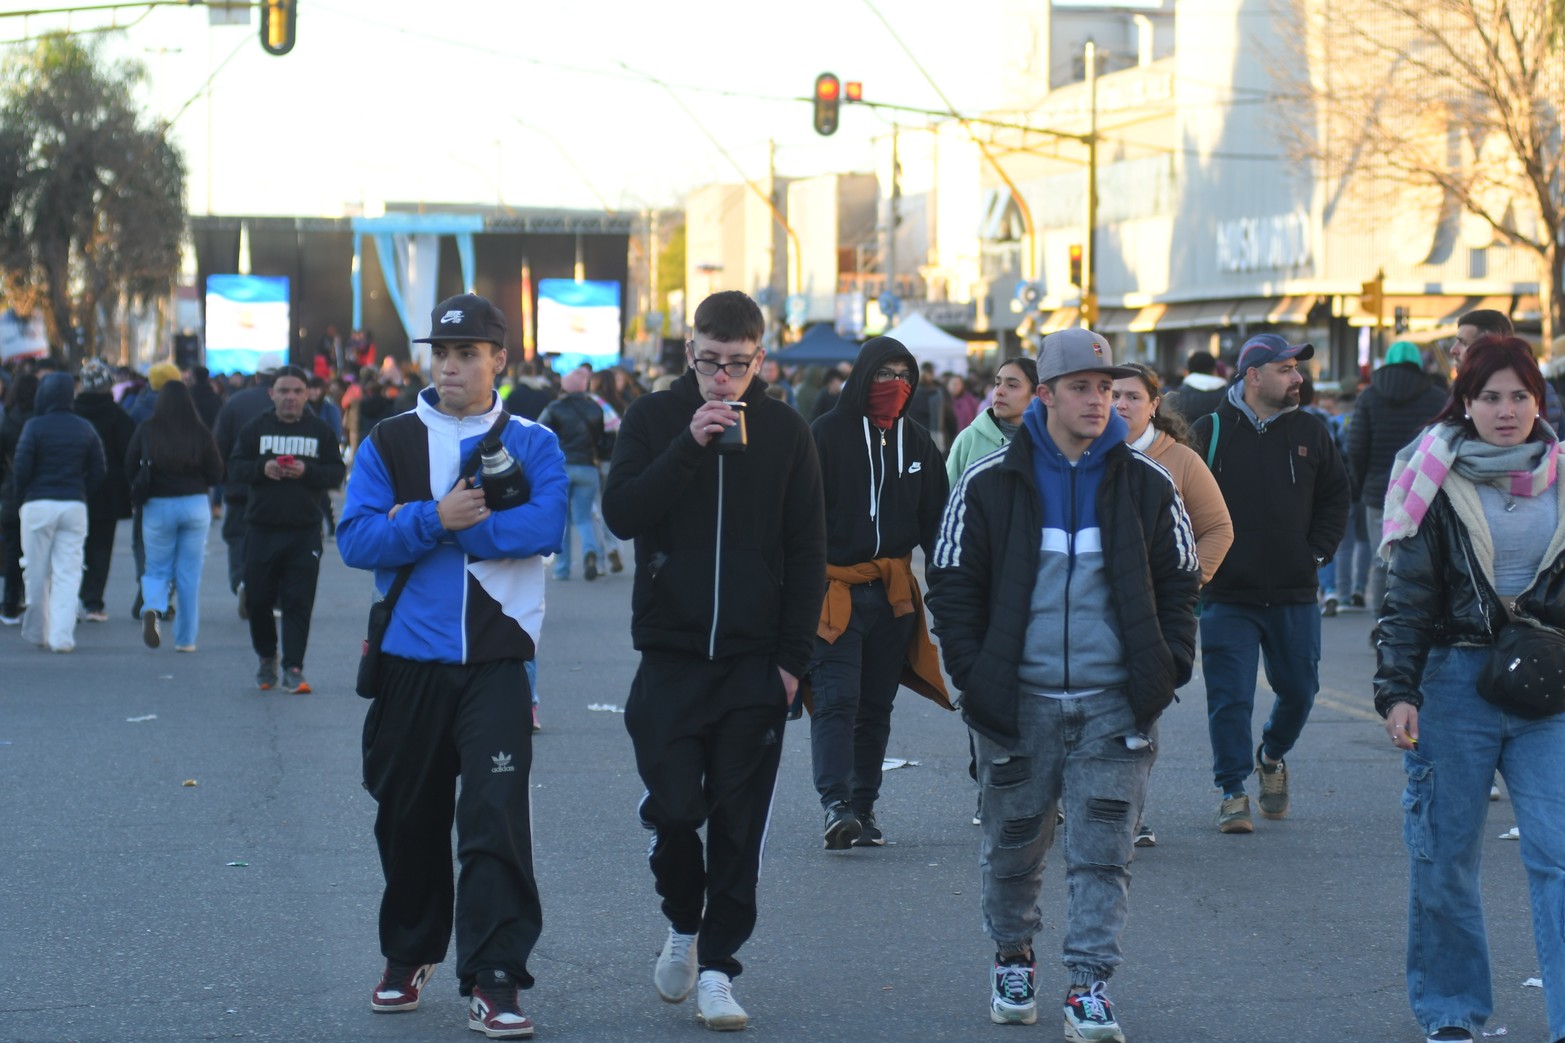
[886, 399]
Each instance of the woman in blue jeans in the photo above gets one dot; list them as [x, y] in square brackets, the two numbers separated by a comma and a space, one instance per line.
[1475, 532]
[185, 465]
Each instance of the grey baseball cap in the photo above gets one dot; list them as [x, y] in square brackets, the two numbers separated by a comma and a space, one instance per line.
[1077, 350]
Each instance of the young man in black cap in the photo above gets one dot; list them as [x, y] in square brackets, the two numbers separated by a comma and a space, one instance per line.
[287, 458]
[885, 487]
[730, 557]
[1287, 490]
[451, 699]
[1062, 589]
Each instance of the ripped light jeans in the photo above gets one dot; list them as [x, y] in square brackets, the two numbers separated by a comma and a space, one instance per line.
[1461, 741]
[1069, 750]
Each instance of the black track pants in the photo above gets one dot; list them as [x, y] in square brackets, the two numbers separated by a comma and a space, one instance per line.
[281, 569]
[432, 724]
[708, 739]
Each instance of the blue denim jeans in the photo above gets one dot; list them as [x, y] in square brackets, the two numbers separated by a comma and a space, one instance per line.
[1070, 749]
[1462, 740]
[174, 529]
[583, 493]
[1233, 640]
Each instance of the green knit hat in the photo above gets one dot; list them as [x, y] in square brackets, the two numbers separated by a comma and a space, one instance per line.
[1404, 351]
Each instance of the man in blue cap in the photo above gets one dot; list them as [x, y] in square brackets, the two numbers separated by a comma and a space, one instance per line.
[1287, 491]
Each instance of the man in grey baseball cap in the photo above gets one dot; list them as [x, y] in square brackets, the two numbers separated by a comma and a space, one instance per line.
[1058, 555]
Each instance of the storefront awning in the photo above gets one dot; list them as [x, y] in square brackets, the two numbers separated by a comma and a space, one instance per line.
[1197, 314]
[1115, 320]
[1060, 319]
[1273, 311]
[1423, 312]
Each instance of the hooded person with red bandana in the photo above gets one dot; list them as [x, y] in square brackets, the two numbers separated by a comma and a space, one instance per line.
[885, 487]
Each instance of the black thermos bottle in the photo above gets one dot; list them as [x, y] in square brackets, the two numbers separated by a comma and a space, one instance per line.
[734, 439]
[503, 483]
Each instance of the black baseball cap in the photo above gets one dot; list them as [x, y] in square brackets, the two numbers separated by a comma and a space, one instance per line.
[466, 317]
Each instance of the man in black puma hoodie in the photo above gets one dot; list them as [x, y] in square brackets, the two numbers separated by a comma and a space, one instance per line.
[885, 490]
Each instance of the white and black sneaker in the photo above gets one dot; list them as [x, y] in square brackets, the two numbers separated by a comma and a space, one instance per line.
[1014, 997]
[675, 974]
[495, 1008]
[842, 826]
[1089, 1017]
[716, 1007]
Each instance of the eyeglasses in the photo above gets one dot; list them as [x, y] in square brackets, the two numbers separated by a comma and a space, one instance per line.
[883, 374]
[709, 367]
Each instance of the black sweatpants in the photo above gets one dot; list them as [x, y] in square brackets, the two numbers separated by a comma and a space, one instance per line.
[11, 545]
[281, 567]
[708, 739]
[431, 724]
[234, 536]
[97, 553]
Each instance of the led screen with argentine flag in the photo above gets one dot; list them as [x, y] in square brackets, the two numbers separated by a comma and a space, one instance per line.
[247, 322]
[578, 322]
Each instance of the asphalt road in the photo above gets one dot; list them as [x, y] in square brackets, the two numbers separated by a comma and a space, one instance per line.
[123, 916]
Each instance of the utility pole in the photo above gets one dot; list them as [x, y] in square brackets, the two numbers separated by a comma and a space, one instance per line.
[895, 217]
[1089, 265]
[771, 195]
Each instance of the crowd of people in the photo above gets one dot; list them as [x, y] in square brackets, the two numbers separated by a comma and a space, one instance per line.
[1087, 528]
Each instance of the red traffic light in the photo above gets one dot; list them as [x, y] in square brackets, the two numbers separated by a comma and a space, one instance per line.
[828, 93]
[854, 90]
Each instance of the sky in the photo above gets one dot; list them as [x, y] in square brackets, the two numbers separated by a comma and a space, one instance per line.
[532, 104]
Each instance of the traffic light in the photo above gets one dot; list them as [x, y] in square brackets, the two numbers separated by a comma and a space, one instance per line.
[1372, 296]
[1076, 264]
[828, 96]
[1089, 310]
[853, 90]
[279, 24]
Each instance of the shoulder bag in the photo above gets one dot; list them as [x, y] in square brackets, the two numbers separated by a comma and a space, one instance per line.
[1525, 673]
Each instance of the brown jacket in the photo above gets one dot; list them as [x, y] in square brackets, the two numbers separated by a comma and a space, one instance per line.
[921, 669]
[1214, 532]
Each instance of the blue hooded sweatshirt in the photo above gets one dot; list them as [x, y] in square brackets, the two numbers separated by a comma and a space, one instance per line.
[1072, 646]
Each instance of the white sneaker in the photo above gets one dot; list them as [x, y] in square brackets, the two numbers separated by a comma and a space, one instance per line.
[675, 974]
[715, 1003]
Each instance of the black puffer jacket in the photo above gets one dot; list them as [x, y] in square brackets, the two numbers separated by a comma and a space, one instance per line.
[982, 573]
[1437, 595]
[577, 420]
[1399, 402]
[114, 427]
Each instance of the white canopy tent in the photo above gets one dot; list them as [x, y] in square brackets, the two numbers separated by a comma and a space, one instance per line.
[929, 343]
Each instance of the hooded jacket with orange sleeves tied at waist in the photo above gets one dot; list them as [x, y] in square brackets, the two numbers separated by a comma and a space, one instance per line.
[921, 669]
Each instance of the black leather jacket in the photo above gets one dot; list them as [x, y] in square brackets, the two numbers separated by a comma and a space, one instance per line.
[1436, 595]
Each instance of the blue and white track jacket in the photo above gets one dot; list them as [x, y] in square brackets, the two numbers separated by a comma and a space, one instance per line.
[474, 596]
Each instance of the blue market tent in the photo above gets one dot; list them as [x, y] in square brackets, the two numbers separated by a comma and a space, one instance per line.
[820, 346]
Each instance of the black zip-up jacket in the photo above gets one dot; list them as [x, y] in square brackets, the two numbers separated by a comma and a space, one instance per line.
[1287, 493]
[241, 408]
[577, 420]
[982, 574]
[286, 503]
[884, 489]
[1399, 402]
[114, 427]
[730, 550]
[1437, 595]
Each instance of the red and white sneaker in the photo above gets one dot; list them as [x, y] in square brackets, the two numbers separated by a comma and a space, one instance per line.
[399, 987]
[495, 1009]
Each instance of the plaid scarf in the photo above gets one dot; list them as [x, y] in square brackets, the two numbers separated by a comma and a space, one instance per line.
[1443, 449]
